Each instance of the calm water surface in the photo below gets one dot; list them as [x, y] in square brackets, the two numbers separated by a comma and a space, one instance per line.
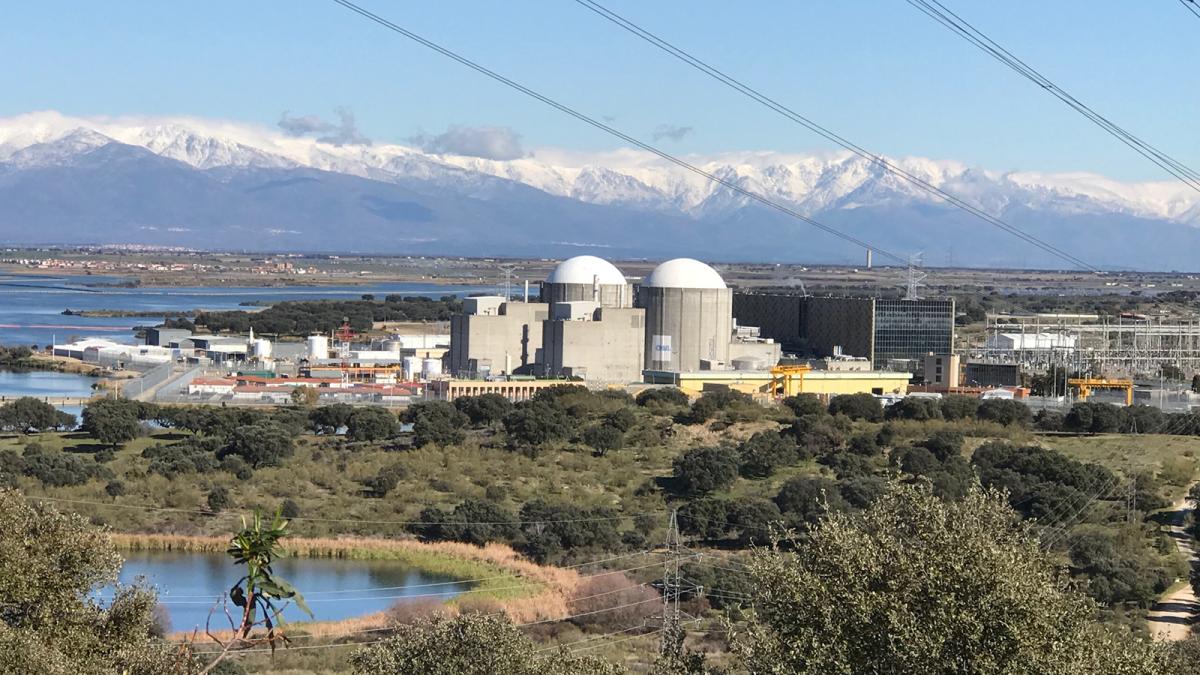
[31, 307]
[41, 384]
[189, 583]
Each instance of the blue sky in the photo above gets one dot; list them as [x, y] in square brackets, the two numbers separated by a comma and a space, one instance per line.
[878, 72]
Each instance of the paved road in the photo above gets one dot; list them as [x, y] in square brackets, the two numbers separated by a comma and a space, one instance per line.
[1172, 616]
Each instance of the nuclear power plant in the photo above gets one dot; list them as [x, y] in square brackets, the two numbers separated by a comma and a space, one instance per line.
[591, 324]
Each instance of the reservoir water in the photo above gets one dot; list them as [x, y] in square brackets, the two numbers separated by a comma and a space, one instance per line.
[189, 583]
[31, 306]
[41, 384]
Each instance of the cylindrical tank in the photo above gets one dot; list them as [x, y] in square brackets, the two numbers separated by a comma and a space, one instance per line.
[318, 347]
[262, 349]
[393, 345]
[412, 367]
[431, 368]
[689, 316]
[587, 278]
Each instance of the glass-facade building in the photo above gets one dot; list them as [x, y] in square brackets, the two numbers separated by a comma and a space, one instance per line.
[893, 333]
[908, 330]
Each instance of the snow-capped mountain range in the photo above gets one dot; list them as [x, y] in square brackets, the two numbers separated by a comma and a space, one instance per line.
[231, 185]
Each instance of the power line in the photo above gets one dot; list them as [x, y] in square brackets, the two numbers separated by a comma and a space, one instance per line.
[943, 15]
[1191, 7]
[731, 185]
[825, 132]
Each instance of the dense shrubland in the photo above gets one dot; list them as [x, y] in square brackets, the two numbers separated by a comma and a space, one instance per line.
[575, 474]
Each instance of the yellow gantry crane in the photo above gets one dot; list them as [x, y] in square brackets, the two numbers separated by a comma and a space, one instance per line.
[1087, 384]
[788, 380]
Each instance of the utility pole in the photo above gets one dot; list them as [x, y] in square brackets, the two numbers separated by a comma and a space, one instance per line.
[671, 585]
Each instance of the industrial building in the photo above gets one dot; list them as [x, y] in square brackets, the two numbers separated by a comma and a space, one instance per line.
[823, 383]
[599, 344]
[689, 317]
[893, 334]
[495, 336]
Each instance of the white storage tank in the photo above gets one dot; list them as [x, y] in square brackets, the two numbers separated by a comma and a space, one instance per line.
[262, 349]
[393, 345]
[412, 367]
[318, 347]
[431, 368]
[689, 316]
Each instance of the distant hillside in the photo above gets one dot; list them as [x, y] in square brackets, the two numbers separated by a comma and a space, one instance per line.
[171, 182]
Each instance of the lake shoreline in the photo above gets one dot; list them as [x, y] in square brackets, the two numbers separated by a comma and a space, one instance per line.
[522, 589]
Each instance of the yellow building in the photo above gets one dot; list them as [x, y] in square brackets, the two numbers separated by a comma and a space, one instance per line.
[757, 383]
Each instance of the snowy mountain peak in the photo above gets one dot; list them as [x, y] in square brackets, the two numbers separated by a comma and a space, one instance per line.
[814, 183]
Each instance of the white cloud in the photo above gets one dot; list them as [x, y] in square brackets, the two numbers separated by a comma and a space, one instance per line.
[498, 143]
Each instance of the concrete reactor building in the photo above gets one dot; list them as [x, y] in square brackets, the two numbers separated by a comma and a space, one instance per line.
[689, 317]
[594, 332]
[589, 279]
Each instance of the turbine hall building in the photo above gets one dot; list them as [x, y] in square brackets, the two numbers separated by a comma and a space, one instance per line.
[892, 333]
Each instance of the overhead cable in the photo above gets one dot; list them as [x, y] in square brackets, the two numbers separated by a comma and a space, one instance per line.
[825, 132]
[944, 16]
[729, 184]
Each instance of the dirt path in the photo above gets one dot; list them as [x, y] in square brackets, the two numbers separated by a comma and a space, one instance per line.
[1172, 616]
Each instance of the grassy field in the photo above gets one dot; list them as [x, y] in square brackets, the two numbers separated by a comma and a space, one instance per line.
[1175, 459]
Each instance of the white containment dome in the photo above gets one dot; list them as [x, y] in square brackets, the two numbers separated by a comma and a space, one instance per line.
[587, 278]
[583, 269]
[684, 273]
[689, 317]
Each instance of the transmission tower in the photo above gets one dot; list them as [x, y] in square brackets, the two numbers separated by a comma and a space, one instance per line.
[671, 585]
[509, 272]
[916, 278]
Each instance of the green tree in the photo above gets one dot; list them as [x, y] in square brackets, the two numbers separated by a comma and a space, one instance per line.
[1005, 412]
[111, 421]
[262, 445]
[532, 424]
[959, 407]
[857, 407]
[372, 424]
[50, 566]
[918, 585]
[219, 499]
[436, 423]
[806, 499]
[602, 438]
[386, 480]
[471, 644]
[29, 414]
[764, 452]
[662, 398]
[327, 419]
[804, 404]
[917, 408]
[484, 410]
[702, 470]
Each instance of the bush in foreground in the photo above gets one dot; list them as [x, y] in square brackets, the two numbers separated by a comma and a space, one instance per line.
[915, 584]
